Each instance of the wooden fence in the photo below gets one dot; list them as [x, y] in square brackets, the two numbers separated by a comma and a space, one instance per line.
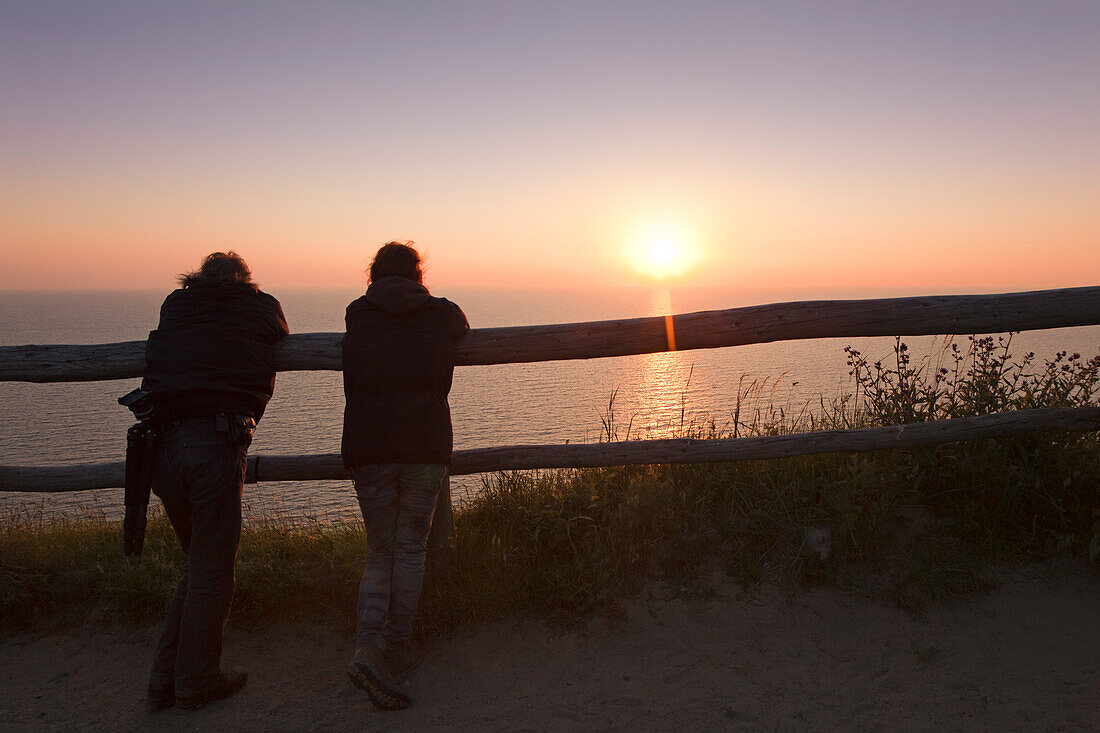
[950, 314]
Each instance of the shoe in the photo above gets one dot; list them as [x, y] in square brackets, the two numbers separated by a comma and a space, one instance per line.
[226, 684]
[368, 672]
[160, 698]
[404, 662]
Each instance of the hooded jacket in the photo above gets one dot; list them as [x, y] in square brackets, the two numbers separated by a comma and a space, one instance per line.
[213, 351]
[398, 360]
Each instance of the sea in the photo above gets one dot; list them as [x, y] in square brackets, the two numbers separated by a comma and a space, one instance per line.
[579, 401]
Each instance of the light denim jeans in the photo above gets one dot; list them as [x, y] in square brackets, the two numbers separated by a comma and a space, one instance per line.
[397, 500]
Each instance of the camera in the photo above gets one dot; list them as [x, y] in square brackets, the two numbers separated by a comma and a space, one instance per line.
[140, 403]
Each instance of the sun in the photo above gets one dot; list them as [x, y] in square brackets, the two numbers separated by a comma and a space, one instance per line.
[662, 255]
[663, 258]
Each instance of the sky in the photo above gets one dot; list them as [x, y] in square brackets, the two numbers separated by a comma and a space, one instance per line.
[917, 146]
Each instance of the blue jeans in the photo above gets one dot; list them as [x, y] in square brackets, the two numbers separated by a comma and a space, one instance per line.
[397, 500]
[198, 476]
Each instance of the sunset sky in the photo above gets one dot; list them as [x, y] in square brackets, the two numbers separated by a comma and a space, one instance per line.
[921, 146]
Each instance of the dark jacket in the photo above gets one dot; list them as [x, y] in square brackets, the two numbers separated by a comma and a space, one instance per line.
[213, 351]
[399, 356]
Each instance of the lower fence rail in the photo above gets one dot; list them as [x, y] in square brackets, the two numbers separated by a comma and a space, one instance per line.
[635, 452]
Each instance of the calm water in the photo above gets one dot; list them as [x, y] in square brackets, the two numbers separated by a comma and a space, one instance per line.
[548, 402]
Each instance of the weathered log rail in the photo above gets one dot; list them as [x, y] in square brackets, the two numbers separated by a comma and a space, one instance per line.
[949, 314]
[920, 316]
[507, 458]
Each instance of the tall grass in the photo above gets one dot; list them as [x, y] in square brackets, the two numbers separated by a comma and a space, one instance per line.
[908, 525]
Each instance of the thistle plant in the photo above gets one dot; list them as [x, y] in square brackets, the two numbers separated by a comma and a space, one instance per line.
[981, 378]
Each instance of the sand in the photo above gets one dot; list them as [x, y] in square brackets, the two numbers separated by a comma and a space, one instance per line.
[1025, 656]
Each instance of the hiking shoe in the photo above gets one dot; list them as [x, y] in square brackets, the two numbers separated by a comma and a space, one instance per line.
[160, 698]
[368, 672]
[226, 684]
[404, 662]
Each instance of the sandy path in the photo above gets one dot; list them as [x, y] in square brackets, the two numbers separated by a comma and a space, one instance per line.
[1024, 657]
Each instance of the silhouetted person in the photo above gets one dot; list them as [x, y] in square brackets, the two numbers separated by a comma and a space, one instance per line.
[210, 369]
[398, 358]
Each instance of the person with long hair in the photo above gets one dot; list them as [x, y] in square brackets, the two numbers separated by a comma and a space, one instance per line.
[398, 360]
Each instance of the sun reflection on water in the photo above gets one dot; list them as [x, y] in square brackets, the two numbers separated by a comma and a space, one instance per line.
[658, 399]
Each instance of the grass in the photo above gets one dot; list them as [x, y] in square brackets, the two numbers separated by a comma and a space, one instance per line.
[911, 526]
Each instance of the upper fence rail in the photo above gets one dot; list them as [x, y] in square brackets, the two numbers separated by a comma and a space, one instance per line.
[917, 316]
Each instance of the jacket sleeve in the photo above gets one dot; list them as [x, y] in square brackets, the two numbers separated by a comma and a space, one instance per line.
[278, 320]
[458, 323]
[280, 324]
